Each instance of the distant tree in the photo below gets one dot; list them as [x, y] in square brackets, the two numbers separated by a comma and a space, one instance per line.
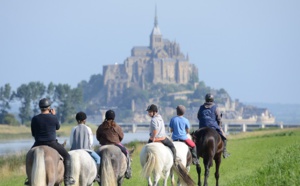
[37, 91]
[10, 119]
[5, 98]
[51, 91]
[23, 95]
[201, 91]
[92, 88]
[29, 96]
[133, 93]
[68, 100]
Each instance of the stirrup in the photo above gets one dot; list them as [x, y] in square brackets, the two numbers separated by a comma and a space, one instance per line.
[26, 182]
[97, 179]
[128, 174]
[69, 181]
[195, 161]
[226, 155]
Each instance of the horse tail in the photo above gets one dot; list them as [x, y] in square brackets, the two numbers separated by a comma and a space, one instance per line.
[149, 165]
[182, 173]
[107, 172]
[75, 166]
[38, 174]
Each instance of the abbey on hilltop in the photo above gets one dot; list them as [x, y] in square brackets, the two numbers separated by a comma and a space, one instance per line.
[160, 62]
[158, 69]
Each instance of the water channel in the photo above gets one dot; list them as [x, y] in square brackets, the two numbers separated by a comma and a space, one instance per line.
[15, 146]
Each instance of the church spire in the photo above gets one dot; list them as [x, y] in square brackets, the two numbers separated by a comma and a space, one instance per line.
[155, 19]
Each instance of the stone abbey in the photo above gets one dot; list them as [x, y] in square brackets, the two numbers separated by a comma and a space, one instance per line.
[160, 62]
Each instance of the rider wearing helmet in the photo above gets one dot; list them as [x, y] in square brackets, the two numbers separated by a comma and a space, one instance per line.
[180, 128]
[209, 116]
[82, 138]
[43, 129]
[157, 130]
[110, 133]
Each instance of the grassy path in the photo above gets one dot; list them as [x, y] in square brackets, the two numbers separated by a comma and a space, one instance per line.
[257, 158]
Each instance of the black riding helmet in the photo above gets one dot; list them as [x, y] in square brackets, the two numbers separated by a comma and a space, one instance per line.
[110, 114]
[80, 116]
[152, 108]
[209, 97]
[44, 103]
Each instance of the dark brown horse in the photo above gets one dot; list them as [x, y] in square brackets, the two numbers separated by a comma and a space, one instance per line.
[209, 147]
[44, 166]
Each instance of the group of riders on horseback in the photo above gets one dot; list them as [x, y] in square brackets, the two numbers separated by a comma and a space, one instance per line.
[45, 124]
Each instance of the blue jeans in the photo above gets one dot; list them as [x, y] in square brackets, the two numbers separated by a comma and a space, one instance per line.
[95, 156]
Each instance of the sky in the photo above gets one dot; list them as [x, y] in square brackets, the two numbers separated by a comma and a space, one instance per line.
[251, 48]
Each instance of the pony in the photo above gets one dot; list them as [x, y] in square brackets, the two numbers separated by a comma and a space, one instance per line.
[113, 165]
[157, 159]
[83, 167]
[209, 147]
[44, 166]
[184, 154]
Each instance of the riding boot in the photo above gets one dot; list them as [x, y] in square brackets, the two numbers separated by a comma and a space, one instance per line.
[194, 155]
[225, 153]
[97, 179]
[68, 180]
[128, 170]
[173, 149]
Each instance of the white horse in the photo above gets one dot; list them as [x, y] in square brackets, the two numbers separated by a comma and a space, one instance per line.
[184, 154]
[83, 167]
[157, 159]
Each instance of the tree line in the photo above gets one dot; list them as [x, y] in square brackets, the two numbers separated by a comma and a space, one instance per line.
[64, 98]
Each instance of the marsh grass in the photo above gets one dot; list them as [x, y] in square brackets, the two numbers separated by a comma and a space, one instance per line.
[257, 158]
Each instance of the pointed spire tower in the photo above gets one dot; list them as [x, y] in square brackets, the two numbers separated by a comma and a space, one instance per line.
[156, 37]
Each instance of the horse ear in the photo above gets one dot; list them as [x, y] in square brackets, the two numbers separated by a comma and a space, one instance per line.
[132, 150]
[64, 144]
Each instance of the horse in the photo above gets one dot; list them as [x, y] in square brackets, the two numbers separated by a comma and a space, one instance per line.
[83, 167]
[184, 154]
[157, 159]
[44, 166]
[209, 147]
[113, 165]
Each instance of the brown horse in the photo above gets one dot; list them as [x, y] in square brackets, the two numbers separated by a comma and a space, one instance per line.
[44, 167]
[209, 147]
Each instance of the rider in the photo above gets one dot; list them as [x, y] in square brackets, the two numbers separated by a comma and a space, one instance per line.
[209, 116]
[43, 129]
[109, 132]
[157, 130]
[82, 138]
[180, 128]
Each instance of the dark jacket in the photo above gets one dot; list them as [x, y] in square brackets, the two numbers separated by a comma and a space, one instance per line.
[109, 134]
[43, 127]
[209, 115]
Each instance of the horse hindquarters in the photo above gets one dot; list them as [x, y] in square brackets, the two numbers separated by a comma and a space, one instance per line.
[38, 173]
[83, 167]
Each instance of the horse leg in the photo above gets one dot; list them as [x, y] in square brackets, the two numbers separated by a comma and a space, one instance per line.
[172, 178]
[120, 181]
[218, 163]
[198, 168]
[149, 181]
[166, 178]
[207, 164]
[156, 179]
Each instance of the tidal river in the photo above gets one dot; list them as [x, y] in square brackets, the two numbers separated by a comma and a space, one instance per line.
[15, 146]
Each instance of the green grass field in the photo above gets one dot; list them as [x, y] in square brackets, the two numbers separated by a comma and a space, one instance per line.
[262, 158]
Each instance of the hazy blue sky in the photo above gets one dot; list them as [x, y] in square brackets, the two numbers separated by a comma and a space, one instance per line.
[251, 48]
